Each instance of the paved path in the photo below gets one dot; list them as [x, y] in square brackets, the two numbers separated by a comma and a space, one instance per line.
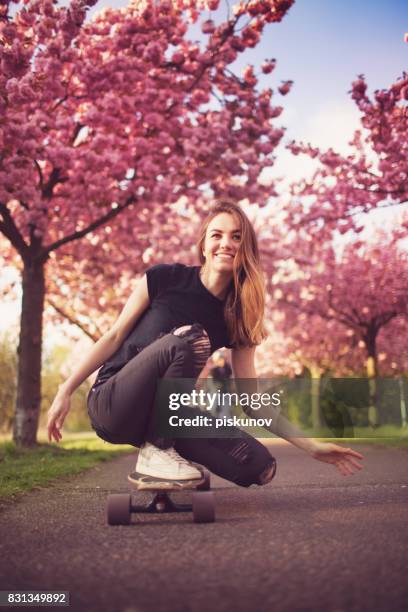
[310, 540]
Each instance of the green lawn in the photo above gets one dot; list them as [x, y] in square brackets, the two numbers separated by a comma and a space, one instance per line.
[25, 469]
[385, 435]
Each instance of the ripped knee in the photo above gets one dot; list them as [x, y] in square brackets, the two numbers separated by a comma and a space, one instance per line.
[179, 331]
[268, 473]
[253, 463]
[241, 452]
[199, 341]
[251, 474]
[193, 331]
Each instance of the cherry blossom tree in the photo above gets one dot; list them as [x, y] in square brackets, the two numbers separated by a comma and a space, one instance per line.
[363, 291]
[321, 347]
[107, 123]
[393, 359]
[374, 175]
[392, 348]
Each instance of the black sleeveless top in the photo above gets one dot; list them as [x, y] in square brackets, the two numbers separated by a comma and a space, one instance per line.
[177, 297]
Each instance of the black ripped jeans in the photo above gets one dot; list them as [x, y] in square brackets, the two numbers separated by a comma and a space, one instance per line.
[120, 409]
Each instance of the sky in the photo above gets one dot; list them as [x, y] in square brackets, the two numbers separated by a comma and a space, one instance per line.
[321, 45]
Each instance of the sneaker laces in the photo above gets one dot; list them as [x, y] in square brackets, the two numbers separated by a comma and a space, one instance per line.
[171, 452]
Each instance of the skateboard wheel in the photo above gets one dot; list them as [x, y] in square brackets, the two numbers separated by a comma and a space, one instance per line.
[206, 484]
[118, 509]
[203, 507]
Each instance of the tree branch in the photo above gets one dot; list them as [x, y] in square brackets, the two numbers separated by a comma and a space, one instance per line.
[328, 217]
[74, 321]
[92, 226]
[385, 317]
[40, 174]
[10, 231]
[55, 177]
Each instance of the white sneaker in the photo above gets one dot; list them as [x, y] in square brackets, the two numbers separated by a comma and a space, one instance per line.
[164, 463]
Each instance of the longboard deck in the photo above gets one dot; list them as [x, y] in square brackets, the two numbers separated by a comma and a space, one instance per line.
[149, 483]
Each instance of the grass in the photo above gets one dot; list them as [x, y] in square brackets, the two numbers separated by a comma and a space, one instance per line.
[23, 470]
[388, 436]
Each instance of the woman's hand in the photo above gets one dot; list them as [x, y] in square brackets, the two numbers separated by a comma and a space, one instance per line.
[343, 458]
[56, 415]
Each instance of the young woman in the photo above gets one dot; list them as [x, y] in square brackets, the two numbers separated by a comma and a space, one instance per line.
[176, 317]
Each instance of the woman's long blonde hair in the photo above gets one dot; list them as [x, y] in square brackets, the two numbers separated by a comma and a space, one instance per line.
[245, 301]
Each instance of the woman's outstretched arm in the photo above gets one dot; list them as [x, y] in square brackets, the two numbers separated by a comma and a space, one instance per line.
[344, 459]
[104, 348]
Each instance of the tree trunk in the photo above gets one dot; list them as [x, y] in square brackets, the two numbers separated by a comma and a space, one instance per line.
[403, 405]
[372, 373]
[316, 374]
[29, 355]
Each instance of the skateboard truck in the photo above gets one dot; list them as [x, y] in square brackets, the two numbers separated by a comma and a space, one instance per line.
[161, 502]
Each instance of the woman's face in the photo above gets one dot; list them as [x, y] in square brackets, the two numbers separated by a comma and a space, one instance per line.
[222, 241]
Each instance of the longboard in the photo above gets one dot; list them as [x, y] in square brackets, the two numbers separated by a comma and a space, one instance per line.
[121, 506]
[150, 483]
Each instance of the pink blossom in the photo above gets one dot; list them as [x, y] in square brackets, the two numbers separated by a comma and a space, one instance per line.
[268, 66]
[153, 53]
[285, 87]
[208, 27]
[178, 57]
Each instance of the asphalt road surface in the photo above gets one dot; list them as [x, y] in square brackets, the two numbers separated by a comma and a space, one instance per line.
[310, 540]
